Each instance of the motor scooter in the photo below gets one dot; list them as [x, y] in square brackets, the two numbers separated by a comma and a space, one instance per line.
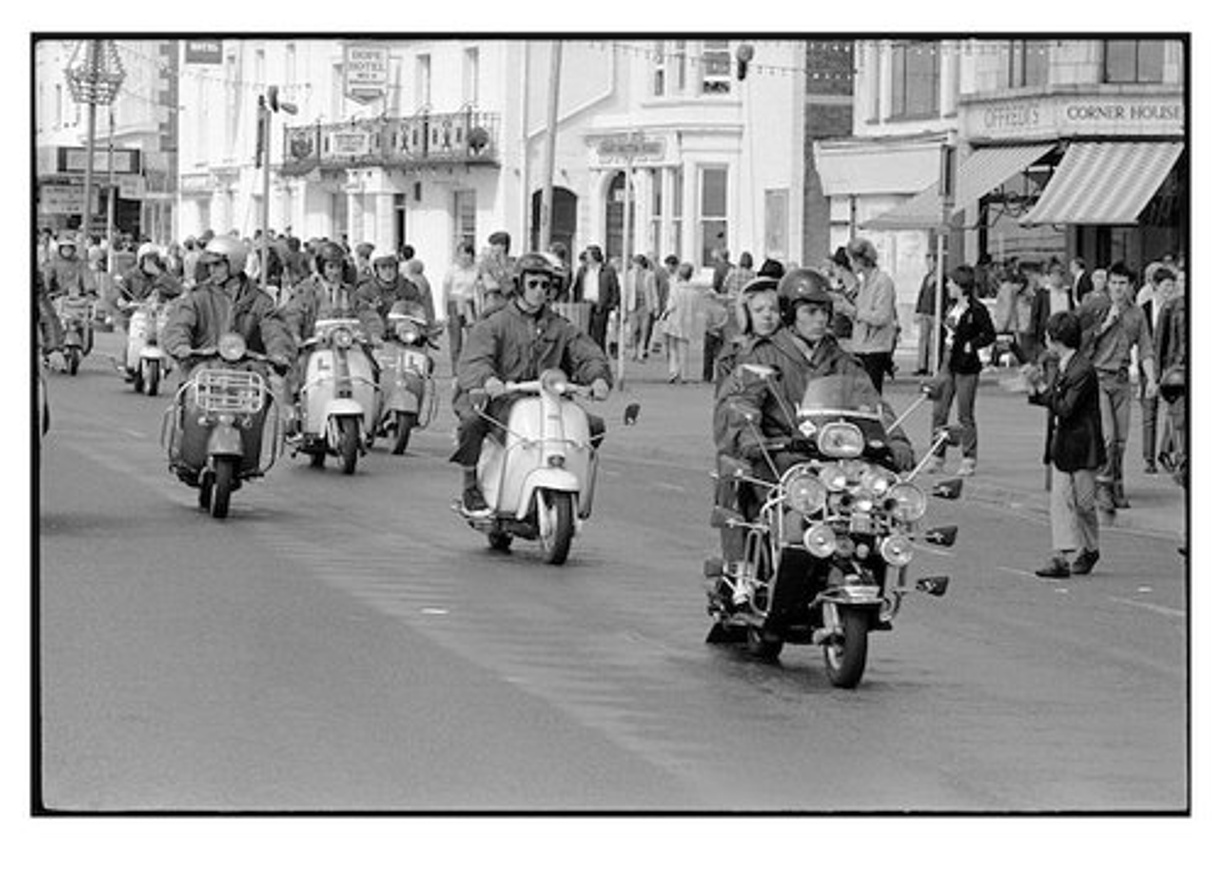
[76, 312]
[826, 555]
[408, 390]
[215, 430]
[339, 398]
[537, 472]
[145, 362]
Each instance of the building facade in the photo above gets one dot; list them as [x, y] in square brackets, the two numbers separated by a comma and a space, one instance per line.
[1059, 148]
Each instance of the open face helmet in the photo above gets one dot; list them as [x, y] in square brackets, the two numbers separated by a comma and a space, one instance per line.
[229, 249]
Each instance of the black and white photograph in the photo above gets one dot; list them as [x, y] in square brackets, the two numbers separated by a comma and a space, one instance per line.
[483, 424]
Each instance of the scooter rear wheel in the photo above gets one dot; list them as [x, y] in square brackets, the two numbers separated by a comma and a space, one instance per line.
[74, 361]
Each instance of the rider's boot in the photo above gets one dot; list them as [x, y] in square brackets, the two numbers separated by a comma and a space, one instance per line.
[472, 496]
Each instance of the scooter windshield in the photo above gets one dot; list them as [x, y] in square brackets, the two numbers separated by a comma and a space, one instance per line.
[841, 394]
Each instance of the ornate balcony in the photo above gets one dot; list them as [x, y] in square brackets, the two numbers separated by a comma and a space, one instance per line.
[423, 140]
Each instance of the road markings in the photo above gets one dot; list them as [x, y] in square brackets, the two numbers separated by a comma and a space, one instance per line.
[670, 487]
[1020, 573]
[1156, 608]
[434, 611]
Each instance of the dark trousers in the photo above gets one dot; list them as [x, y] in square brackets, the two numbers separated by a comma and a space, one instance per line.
[712, 348]
[597, 326]
[472, 427]
[876, 364]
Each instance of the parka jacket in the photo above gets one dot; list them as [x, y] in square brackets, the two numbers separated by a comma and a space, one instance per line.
[384, 297]
[198, 318]
[1076, 441]
[313, 299]
[776, 407]
[516, 346]
[64, 275]
[137, 285]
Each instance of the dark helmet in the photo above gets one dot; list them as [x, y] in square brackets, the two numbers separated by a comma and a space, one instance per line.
[534, 262]
[803, 285]
[329, 251]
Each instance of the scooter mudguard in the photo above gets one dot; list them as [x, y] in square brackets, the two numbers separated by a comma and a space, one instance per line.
[402, 402]
[545, 478]
[150, 353]
[225, 440]
[342, 407]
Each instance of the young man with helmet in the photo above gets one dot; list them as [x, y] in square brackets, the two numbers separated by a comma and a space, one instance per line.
[228, 301]
[149, 275]
[67, 272]
[386, 286]
[517, 343]
[327, 295]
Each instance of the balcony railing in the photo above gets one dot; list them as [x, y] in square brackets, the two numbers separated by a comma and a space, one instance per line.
[467, 137]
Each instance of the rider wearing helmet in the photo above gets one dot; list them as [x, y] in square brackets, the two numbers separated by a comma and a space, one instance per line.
[228, 301]
[517, 343]
[759, 316]
[327, 295]
[67, 272]
[149, 276]
[386, 286]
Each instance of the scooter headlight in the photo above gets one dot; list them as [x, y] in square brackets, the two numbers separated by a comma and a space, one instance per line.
[897, 550]
[342, 338]
[407, 332]
[907, 502]
[834, 477]
[841, 440]
[805, 494]
[231, 347]
[820, 540]
[877, 482]
[554, 382]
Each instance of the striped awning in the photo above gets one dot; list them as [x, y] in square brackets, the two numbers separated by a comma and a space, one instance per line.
[1103, 183]
[980, 173]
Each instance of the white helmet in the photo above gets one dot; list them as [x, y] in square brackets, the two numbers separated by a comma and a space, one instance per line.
[383, 254]
[147, 249]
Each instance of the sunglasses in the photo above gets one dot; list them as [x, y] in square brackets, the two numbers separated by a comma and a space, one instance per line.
[537, 283]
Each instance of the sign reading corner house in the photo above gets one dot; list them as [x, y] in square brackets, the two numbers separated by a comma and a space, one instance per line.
[204, 51]
[366, 71]
[1066, 115]
[617, 151]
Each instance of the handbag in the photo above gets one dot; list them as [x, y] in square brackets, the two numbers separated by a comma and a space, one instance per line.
[1173, 383]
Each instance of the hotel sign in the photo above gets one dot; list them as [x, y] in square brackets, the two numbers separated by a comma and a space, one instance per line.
[1075, 115]
[366, 71]
[636, 148]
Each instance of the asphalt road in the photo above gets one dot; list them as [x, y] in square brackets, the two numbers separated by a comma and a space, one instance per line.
[346, 643]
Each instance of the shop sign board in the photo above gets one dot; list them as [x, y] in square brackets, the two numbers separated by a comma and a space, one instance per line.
[65, 199]
[71, 159]
[204, 51]
[349, 144]
[1067, 115]
[635, 148]
[366, 71]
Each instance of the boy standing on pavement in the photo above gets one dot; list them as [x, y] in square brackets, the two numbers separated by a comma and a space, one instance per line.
[1112, 327]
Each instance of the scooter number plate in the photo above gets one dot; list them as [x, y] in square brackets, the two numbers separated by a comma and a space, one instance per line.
[860, 523]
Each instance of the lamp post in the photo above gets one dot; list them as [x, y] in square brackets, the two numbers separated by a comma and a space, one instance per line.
[94, 75]
[267, 105]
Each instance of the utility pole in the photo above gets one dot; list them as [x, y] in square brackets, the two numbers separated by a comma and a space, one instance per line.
[553, 104]
[267, 105]
[110, 194]
[527, 200]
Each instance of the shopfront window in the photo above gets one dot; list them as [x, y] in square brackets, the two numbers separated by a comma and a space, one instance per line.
[1134, 60]
[714, 212]
[676, 215]
[915, 80]
[464, 217]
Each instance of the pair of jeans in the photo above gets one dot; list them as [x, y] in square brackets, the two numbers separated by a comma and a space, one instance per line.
[678, 349]
[1115, 401]
[876, 364]
[712, 348]
[924, 348]
[962, 386]
[1074, 516]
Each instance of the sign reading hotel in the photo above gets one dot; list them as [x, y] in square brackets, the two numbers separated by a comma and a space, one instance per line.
[1067, 115]
[366, 71]
[618, 151]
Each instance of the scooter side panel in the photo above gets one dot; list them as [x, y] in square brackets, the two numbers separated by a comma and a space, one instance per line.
[317, 390]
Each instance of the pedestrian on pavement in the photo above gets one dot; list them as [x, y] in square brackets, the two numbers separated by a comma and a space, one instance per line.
[1032, 308]
[1080, 283]
[598, 286]
[968, 329]
[364, 269]
[1003, 318]
[459, 289]
[415, 275]
[1170, 345]
[1074, 448]
[874, 318]
[720, 269]
[564, 274]
[1159, 287]
[641, 306]
[679, 322]
[1098, 289]
[844, 288]
[1109, 334]
[926, 304]
[496, 274]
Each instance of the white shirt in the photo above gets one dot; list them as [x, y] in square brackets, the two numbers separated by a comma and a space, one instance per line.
[589, 288]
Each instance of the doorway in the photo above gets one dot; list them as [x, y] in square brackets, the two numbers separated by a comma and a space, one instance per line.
[563, 218]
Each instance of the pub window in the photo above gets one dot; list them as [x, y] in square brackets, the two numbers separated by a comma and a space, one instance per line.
[714, 212]
[423, 81]
[915, 80]
[1133, 60]
[1028, 63]
[464, 217]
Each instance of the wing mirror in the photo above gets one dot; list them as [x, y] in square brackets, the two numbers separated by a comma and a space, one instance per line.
[950, 489]
[943, 536]
[934, 586]
[631, 414]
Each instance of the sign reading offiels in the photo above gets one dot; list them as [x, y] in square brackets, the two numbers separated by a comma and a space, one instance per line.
[366, 71]
[204, 51]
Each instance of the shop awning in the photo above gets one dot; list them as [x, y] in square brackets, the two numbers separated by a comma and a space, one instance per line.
[980, 173]
[1103, 183]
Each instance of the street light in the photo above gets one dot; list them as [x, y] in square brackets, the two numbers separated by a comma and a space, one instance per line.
[94, 78]
[267, 105]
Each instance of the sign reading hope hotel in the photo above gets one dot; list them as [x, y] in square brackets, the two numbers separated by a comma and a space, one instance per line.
[1067, 115]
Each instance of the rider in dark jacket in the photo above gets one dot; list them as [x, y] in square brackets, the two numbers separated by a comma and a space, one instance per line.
[387, 286]
[228, 301]
[517, 343]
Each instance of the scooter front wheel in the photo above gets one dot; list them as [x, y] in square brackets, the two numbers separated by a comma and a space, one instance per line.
[556, 525]
[153, 381]
[349, 443]
[74, 360]
[845, 656]
[225, 473]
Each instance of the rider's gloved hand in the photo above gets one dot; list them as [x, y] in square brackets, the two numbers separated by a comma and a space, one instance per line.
[181, 352]
[599, 389]
[901, 453]
[494, 387]
[280, 364]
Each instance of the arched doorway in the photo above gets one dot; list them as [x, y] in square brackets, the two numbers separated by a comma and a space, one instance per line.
[563, 218]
